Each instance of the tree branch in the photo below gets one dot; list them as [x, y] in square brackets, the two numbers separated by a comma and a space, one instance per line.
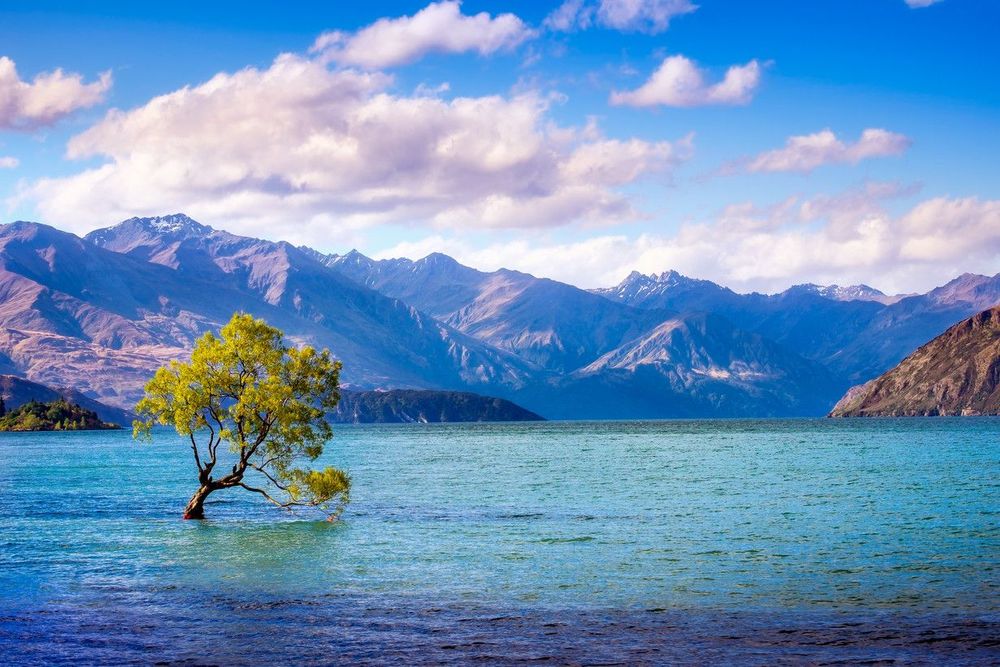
[264, 493]
[213, 448]
[261, 470]
[264, 432]
[197, 458]
[212, 444]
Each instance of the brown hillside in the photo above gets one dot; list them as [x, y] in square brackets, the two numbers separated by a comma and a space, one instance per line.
[957, 373]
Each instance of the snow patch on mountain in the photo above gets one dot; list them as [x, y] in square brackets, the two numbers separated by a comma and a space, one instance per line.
[846, 293]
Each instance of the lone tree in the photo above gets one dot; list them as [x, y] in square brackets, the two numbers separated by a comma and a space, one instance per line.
[264, 403]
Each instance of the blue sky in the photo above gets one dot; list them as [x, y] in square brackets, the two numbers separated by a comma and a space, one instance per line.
[508, 136]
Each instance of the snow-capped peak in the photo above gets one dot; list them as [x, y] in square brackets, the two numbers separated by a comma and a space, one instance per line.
[169, 224]
[845, 293]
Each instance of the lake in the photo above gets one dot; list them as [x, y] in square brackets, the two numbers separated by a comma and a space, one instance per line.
[762, 542]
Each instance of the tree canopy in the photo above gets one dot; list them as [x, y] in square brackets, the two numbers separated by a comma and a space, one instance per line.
[263, 403]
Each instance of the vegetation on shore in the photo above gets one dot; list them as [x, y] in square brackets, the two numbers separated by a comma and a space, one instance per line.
[425, 406]
[58, 415]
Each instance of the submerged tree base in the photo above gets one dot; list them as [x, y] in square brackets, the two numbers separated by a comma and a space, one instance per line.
[196, 506]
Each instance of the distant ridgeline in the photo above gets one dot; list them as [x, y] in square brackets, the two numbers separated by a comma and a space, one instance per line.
[424, 406]
[59, 415]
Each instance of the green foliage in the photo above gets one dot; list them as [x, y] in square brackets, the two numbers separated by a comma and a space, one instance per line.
[59, 415]
[263, 401]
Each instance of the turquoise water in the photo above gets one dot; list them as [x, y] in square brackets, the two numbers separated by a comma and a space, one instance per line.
[631, 542]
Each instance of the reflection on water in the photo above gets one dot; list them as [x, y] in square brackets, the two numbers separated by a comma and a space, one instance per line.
[765, 541]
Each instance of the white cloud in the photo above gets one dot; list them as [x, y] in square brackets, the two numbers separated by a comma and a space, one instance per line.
[951, 228]
[651, 16]
[570, 15]
[847, 238]
[301, 152]
[47, 98]
[8, 162]
[441, 27]
[807, 152]
[678, 82]
[915, 4]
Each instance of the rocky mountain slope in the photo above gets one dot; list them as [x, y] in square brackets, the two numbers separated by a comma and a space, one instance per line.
[426, 406]
[385, 339]
[554, 325]
[692, 365]
[957, 373]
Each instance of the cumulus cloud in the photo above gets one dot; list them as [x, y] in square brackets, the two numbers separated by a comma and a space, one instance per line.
[845, 238]
[915, 4]
[679, 82]
[807, 152]
[303, 152]
[49, 97]
[7, 162]
[441, 27]
[650, 16]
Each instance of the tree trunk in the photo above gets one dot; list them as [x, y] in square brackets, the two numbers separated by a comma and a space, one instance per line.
[196, 506]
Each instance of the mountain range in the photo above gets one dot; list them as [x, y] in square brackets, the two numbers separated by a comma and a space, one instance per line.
[855, 332]
[100, 313]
